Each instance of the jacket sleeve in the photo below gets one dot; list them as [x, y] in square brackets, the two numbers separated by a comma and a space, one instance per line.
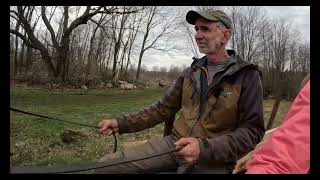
[156, 113]
[228, 148]
[288, 150]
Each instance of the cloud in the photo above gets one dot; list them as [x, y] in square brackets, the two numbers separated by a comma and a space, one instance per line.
[164, 60]
[298, 16]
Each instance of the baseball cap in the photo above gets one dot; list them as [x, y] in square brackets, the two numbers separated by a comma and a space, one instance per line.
[213, 15]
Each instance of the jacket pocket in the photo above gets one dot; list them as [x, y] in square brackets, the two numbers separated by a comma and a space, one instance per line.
[222, 107]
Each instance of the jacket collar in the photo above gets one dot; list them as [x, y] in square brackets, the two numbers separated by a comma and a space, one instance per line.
[203, 60]
[240, 63]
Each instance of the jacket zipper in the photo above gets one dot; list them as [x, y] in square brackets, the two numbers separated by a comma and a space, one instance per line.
[208, 81]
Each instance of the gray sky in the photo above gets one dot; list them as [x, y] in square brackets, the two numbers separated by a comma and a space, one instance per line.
[298, 16]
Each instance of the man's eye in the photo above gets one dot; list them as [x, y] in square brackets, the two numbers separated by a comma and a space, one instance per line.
[205, 29]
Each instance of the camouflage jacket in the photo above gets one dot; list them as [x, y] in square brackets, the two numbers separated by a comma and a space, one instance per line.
[226, 114]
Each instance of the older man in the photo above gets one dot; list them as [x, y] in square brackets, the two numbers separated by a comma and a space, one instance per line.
[220, 99]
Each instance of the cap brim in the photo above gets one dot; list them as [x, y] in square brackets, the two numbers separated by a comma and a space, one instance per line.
[192, 16]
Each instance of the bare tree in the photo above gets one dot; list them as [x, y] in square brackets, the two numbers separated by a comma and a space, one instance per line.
[190, 32]
[100, 52]
[106, 43]
[135, 26]
[117, 40]
[153, 23]
[56, 64]
[16, 66]
[279, 41]
[91, 56]
[304, 58]
[248, 23]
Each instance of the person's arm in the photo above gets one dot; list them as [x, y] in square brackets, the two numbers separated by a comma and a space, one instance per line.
[250, 130]
[242, 163]
[288, 150]
[156, 113]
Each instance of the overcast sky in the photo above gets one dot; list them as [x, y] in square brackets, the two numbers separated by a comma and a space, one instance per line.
[298, 16]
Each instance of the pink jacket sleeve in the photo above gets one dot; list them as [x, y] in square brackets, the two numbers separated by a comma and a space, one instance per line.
[288, 150]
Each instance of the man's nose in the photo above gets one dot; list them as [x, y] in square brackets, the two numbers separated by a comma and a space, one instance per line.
[199, 35]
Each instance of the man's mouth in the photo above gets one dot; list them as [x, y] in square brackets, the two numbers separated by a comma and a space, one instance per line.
[202, 44]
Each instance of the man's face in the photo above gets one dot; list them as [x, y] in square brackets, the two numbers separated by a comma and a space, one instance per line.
[208, 36]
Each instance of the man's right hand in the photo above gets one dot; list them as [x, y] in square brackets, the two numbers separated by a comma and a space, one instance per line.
[108, 126]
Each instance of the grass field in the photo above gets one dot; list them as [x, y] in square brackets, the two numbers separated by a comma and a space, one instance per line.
[36, 141]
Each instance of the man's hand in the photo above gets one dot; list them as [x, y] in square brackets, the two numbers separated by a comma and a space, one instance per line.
[108, 126]
[189, 149]
[242, 163]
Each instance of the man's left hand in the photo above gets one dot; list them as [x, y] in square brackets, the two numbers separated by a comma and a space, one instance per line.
[189, 149]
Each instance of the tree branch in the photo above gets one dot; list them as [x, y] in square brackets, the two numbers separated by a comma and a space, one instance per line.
[83, 19]
[25, 40]
[15, 12]
[48, 25]
[14, 17]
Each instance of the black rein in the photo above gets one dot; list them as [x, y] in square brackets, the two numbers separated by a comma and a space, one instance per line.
[76, 168]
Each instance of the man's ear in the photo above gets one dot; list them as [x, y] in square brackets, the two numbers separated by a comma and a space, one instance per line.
[226, 35]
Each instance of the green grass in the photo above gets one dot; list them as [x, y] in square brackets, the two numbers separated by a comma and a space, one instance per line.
[36, 141]
[282, 111]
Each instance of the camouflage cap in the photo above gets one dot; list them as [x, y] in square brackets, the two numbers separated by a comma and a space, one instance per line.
[213, 15]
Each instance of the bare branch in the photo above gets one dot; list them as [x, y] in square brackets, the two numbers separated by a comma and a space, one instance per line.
[25, 40]
[14, 17]
[102, 27]
[15, 12]
[48, 25]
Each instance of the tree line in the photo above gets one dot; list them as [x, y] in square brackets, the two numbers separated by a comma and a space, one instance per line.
[77, 43]
[68, 42]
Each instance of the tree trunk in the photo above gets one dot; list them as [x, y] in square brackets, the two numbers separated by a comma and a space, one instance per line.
[115, 71]
[109, 55]
[114, 67]
[122, 57]
[21, 59]
[139, 65]
[274, 112]
[28, 60]
[275, 105]
[16, 65]
[88, 69]
[128, 61]
[62, 59]
[50, 68]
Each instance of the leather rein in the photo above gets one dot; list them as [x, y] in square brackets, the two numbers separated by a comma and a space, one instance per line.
[79, 167]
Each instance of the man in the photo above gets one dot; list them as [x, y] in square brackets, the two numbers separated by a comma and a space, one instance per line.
[220, 99]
